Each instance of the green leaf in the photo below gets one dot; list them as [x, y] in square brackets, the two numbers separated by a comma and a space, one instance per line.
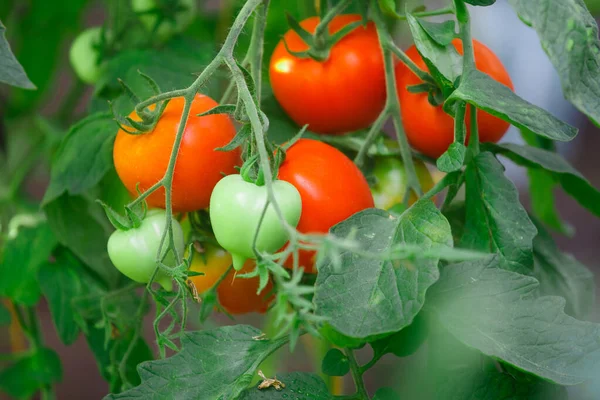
[560, 274]
[444, 62]
[569, 35]
[335, 363]
[374, 296]
[338, 339]
[81, 226]
[108, 357]
[41, 33]
[173, 66]
[21, 261]
[453, 159]
[405, 342]
[496, 222]
[386, 394]
[498, 313]
[29, 374]
[83, 158]
[456, 215]
[4, 315]
[459, 373]
[114, 308]
[480, 2]
[61, 283]
[440, 32]
[571, 180]
[543, 204]
[388, 7]
[491, 96]
[297, 385]
[218, 363]
[11, 72]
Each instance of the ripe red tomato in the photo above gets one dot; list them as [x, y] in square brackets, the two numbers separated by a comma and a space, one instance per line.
[428, 128]
[236, 295]
[342, 94]
[144, 158]
[331, 186]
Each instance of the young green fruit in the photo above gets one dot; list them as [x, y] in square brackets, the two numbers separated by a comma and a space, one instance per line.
[391, 181]
[236, 207]
[84, 56]
[134, 251]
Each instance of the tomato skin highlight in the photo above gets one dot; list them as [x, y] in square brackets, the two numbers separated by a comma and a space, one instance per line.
[331, 186]
[144, 158]
[429, 129]
[133, 252]
[391, 184]
[344, 93]
[83, 56]
[236, 207]
[236, 295]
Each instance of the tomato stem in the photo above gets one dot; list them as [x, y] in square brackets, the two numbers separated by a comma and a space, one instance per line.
[393, 103]
[432, 13]
[459, 122]
[423, 75]
[374, 131]
[462, 15]
[474, 139]
[376, 357]
[321, 29]
[356, 372]
[254, 56]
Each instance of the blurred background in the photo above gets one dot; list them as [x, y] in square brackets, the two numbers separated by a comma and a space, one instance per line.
[41, 32]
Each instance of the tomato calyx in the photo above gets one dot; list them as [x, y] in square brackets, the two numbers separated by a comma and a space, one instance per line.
[434, 93]
[319, 43]
[149, 116]
[133, 216]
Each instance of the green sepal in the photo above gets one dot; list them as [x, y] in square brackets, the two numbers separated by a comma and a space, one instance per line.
[117, 220]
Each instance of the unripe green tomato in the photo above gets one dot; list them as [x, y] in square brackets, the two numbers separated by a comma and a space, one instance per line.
[235, 212]
[167, 27]
[84, 57]
[133, 252]
[390, 187]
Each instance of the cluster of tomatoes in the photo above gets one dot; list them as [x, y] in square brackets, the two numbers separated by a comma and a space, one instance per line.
[317, 185]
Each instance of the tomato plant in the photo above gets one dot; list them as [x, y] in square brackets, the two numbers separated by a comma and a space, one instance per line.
[235, 294]
[142, 160]
[428, 128]
[341, 94]
[215, 193]
[332, 188]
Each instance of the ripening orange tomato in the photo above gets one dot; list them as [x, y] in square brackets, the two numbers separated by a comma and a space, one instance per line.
[236, 295]
[144, 158]
[428, 128]
[331, 186]
[344, 93]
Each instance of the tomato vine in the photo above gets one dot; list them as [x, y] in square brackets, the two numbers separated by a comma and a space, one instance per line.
[343, 238]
